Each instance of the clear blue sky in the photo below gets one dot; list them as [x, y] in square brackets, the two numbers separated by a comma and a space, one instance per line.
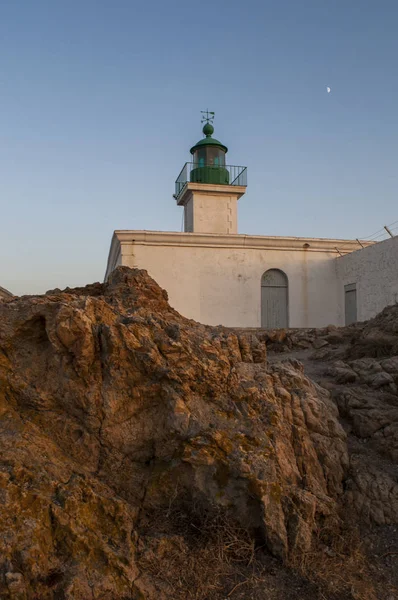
[101, 100]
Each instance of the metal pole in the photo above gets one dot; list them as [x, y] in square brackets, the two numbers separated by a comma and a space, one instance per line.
[388, 231]
[338, 251]
[362, 246]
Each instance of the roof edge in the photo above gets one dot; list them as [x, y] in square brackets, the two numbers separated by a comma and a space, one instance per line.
[237, 240]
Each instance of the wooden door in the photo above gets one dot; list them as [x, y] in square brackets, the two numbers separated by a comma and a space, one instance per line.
[274, 300]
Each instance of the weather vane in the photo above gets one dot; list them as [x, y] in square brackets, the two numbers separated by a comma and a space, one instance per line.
[208, 116]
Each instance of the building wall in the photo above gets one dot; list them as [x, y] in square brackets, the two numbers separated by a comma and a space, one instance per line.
[4, 294]
[214, 214]
[374, 270]
[188, 215]
[210, 208]
[223, 285]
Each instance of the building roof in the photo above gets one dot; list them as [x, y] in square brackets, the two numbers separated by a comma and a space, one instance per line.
[5, 293]
[208, 140]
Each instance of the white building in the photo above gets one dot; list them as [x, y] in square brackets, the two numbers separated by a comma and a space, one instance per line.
[216, 276]
[5, 294]
[368, 278]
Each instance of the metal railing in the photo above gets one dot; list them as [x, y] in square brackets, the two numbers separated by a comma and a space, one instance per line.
[236, 175]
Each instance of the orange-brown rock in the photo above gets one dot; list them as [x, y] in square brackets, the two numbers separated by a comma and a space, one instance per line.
[113, 405]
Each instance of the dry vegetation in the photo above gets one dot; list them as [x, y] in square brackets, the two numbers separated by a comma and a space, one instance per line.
[339, 564]
[197, 554]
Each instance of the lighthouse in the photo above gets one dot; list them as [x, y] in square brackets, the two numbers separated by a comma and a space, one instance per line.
[207, 188]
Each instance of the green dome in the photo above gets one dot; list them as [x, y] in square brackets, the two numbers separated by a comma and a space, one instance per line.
[208, 129]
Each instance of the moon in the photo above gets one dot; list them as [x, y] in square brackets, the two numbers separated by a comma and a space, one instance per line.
[328, 89]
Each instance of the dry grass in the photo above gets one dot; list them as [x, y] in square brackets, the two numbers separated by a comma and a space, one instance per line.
[194, 554]
[197, 555]
[338, 563]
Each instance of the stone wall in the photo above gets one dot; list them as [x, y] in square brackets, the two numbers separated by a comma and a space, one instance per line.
[374, 270]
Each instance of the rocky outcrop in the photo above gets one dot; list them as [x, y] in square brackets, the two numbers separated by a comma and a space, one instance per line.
[359, 366]
[114, 407]
[367, 398]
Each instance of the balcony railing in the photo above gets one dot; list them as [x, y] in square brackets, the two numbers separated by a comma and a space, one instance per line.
[232, 175]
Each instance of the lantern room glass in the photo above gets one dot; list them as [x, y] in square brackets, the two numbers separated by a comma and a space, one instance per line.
[209, 156]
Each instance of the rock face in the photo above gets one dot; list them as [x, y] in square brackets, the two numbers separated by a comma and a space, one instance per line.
[369, 403]
[359, 366]
[113, 406]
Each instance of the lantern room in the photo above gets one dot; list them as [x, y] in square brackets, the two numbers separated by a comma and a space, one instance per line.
[209, 160]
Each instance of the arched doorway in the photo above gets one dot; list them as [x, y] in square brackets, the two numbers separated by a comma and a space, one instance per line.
[274, 299]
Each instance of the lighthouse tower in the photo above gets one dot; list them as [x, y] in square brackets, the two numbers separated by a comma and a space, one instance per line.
[208, 188]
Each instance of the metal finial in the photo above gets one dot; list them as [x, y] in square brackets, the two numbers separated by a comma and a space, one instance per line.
[207, 116]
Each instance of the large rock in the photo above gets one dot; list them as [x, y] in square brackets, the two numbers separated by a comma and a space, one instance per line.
[113, 405]
[364, 385]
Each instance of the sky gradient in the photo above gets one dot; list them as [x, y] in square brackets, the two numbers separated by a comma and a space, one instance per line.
[101, 100]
